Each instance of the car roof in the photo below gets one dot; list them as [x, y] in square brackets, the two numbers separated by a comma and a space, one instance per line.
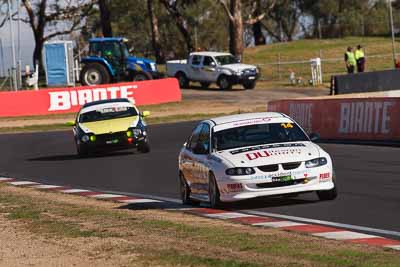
[246, 116]
[209, 53]
[107, 101]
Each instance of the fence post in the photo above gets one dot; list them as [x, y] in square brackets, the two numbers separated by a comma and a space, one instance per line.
[279, 67]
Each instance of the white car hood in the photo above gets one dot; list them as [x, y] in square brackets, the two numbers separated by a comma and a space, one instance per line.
[269, 154]
[238, 67]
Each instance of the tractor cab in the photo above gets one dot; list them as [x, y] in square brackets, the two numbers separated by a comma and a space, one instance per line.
[109, 61]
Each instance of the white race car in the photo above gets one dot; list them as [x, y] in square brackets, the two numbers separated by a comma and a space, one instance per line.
[245, 156]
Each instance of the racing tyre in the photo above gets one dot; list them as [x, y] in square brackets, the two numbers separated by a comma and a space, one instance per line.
[94, 74]
[184, 190]
[142, 76]
[328, 194]
[182, 79]
[144, 147]
[204, 85]
[249, 85]
[224, 83]
[213, 192]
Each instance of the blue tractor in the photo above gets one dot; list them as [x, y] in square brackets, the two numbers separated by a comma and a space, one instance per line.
[109, 61]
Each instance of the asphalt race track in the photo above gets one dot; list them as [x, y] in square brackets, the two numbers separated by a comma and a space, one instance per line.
[368, 176]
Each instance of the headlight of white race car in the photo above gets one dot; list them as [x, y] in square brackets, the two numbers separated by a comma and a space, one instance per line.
[240, 171]
[316, 162]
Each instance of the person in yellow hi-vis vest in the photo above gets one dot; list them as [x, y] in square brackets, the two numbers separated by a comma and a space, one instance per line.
[360, 58]
[350, 60]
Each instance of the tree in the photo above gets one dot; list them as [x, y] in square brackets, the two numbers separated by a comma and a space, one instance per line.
[105, 18]
[51, 20]
[257, 12]
[181, 22]
[155, 33]
[233, 10]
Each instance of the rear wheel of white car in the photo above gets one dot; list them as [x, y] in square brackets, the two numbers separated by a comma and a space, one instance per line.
[213, 192]
[184, 190]
[328, 194]
[224, 83]
[182, 79]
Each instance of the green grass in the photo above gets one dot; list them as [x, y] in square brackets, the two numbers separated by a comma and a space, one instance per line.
[304, 50]
[65, 220]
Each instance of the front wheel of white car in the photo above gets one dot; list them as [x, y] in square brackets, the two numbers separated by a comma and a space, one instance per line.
[328, 194]
[213, 192]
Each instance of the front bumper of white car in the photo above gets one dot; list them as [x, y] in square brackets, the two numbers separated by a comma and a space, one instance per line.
[234, 188]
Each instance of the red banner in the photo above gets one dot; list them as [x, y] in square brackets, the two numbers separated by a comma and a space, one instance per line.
[351, 118]
[66, 100]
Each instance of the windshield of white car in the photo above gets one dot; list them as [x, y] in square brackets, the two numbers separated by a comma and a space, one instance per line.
[226, 60]
[108, 113]
[259, 134]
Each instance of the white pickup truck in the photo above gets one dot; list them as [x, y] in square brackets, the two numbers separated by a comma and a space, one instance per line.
[213, 67]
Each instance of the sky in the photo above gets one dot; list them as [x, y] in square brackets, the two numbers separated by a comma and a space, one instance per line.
[27, 44]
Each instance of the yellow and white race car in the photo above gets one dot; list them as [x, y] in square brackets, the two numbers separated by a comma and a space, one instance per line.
[113, 124]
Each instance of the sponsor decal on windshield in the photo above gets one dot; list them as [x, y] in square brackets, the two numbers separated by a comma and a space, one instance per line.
[251, 122]
[113, 109]
[243, 150]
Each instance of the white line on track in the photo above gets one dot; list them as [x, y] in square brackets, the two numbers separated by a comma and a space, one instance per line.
[46, 186]
[343, 235]
[321, 222]
[74, 191]
[23, 183]
[397, 247]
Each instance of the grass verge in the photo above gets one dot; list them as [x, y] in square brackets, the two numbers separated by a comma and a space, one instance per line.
[165, 238]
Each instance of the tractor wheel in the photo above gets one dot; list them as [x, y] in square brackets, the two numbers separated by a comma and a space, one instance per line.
[94, 74]
[142, 76]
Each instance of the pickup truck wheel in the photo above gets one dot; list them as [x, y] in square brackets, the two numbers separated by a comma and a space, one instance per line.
[224, 83]
[182, 79]
[204, 85]
[94, 74]
[142, 76]
[249, 85]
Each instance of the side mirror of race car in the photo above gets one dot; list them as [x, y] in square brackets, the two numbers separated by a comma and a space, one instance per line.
[314, 137]
[200, 149]
[70, 123]
[145, 113]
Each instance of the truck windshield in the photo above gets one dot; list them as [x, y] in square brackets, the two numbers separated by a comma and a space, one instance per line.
[259, 134]
[108, 113]
[226, 60]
